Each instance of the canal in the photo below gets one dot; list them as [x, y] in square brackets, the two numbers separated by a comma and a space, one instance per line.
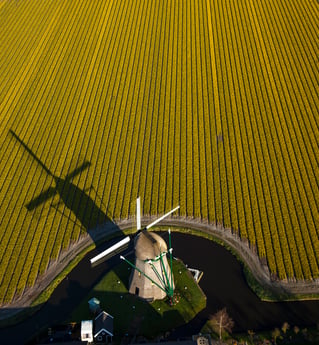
[225, 286]
[223, 283]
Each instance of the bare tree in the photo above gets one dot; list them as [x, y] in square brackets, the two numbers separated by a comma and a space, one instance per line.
[221, 322]
[251, 334]
[285, 327]
[275, 333]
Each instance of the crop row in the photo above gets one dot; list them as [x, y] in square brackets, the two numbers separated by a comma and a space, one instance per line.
[208, 104]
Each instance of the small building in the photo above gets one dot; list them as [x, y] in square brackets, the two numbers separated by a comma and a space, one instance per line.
[94, 305]
[103, 328]
[87, 330]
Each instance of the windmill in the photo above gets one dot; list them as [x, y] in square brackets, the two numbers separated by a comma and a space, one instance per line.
[152, 275]
[73, 197]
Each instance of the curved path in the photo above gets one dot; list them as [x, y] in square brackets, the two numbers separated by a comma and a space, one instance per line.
[223, 283]
[259, 270]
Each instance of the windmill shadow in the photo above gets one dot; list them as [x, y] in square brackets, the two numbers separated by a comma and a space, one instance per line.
[75, 199]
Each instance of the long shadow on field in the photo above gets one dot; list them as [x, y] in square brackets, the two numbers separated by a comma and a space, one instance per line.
[75, 199]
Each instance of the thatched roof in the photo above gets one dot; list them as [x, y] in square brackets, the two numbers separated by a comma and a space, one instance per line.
[148, 245]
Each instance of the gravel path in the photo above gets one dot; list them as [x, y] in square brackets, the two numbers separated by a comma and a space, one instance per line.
[259, 270]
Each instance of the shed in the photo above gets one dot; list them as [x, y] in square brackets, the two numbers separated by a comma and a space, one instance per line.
[94, 305]
[87, 330]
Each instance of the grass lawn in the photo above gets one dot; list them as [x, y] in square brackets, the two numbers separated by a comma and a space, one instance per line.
[135, 316]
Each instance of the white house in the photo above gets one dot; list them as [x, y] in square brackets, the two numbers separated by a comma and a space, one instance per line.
[87, 330]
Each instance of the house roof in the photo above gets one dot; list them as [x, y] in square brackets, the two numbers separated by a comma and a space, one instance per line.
[87, 330]
[94, 301]
[86, 326]
[104, 322]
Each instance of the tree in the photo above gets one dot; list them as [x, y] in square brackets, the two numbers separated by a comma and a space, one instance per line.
[285, 327]
[275, 334]
[296, 329]
[251, 334]
[221, 322]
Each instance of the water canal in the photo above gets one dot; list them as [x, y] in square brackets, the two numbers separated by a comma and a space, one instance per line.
[225, 286]
[223, 283]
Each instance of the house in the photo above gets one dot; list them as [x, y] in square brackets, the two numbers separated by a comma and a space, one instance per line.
[103, 328]
[87, 330]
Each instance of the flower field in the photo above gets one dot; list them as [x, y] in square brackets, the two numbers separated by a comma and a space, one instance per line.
[212, 105]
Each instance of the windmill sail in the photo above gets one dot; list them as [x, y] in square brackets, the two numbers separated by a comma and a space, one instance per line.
[117, 248]
[161, 218]
[138, 214]
[41, 198]
[113, 250]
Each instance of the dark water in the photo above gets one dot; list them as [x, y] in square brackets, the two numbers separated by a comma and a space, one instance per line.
[223, 283]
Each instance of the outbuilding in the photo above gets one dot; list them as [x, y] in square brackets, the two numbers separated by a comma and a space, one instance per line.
[94, 305]
[87, 330]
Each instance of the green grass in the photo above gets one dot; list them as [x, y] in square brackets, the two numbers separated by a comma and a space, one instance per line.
[149, 319]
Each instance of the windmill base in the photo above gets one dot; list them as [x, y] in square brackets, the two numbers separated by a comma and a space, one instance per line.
[144, 288]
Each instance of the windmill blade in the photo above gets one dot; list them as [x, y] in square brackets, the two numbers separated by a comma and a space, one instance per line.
[30, 152]
[113, 250]
[41, 198]
[138, 214]
[161, 218]
[78, 170]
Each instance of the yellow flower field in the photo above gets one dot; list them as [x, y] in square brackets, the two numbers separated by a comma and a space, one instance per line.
[212, 105]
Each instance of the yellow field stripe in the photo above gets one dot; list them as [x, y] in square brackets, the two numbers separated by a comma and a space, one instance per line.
[15, 92]
[213, 64]
[2, 3]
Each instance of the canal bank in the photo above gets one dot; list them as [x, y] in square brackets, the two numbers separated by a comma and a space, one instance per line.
[256, 270]
[223, 283]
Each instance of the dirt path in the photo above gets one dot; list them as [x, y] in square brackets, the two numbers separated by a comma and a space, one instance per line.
[259, 270]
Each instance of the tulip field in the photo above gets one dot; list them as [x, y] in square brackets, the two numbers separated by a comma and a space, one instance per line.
[210, 104]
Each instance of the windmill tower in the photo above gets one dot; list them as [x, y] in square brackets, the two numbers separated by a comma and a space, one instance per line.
[152, 276]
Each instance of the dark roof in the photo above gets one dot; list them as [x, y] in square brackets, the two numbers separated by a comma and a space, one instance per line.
[103, 321]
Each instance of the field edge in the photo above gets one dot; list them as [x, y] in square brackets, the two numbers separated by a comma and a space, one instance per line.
[257, 274]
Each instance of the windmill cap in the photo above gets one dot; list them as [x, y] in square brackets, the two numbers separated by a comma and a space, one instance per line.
[149, 245]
